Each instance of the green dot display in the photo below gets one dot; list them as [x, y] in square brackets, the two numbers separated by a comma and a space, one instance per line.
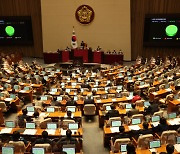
[10, 30]
[171, 30]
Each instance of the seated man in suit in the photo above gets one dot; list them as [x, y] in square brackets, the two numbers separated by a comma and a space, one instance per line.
[89, 100]
[133, 110]
[44, 139]
[169, 149]
[121, 134]
[162, 126]
[152, 108]
[16, 137]
[112, 113]
[131, 149]
[145, 129]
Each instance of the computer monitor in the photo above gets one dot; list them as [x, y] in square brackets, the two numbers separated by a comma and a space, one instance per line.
[10, 124]
[155, 118]
[172, 115]
[16, 87]
[154, 144]
[44, 98]
[71, 108]
[74, 84]
[115, 123]
[129, 77]
[30, 108]
[167, 86]
[26, 88]
[75, 98]
[108, 107]
[73, 126]
[119, 87]
[146, 104]
[68, 90]
[7, 150]
[59, 98]
[178, 139]
[38, 150]
[176, 96]
[136, 121]
[142, 83]
[69, 150]
[123, 147]
[54, 90]
[50, 109]
[45, 77]
[51, 126]
[30, 125]
[13, 96]
[128, 106]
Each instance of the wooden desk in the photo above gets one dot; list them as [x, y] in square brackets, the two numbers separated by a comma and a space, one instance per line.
[160, 93]
[173, 105]
[27, 94]
[146, 151]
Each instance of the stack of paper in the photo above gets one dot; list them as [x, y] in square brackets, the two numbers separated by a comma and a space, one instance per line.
[63, 132]
[175, 121]
[8, 99]
[114, 129]
[154, 93]
[30, 113]
[169, 89]
[51, 131]
[155, 124]
[177, 147]
[98, 101]
[152, 150]
[6, 130]
[134, 127]
[30, 131]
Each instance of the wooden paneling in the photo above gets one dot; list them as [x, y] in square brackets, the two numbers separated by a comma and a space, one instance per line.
[138, 10]
[25, 8]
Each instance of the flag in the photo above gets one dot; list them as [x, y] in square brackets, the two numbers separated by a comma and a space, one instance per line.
[74, 40]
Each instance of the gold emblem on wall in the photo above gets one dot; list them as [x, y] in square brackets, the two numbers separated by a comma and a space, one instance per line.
[84, 14]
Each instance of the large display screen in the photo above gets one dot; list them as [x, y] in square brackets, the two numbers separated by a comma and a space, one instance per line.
[16, 30]
[162, 30]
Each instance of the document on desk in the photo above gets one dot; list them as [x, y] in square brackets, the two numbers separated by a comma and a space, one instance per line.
[8, 99]
[169, 89]
[30, 113]
[30, 131]
[63, 132]
[51, 131]
[22, 91]
[155, 124]
[154, 93]
[114, 129]
[130, 81]
[43, 114]
[52, 92]
[153, 150]
[175, 121]
[177, 147]
[178, 100]
[134, 127]
[114, 100]
[6, 130]
[98, 101]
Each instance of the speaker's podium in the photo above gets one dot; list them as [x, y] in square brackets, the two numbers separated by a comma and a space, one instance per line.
[78, 61]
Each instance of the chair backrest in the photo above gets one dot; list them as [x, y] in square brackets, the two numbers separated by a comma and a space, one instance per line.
[169, 97]
[3, 106]
[113, 119]
[150, 90]
[159, 113]
[143, 141]
[118, 142]
[140, 103]
[67, 121]
[162, 86]
[168, 137]
[47, 147]
[111, 95]
[43, 124]
[89, 109]
[141, 116]
[125, 94]
[19, 146]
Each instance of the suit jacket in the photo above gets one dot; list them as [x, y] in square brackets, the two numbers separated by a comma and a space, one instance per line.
[132, 112]
[71, 103]
[112, 113]
[145, 131]
[161, 128]
[121, 135]
[152, 108]
[43, 141]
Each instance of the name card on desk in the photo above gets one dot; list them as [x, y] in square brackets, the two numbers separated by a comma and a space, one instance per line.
[6, 130]
[134, 127]
[51, 131]
[114, 129]
[30, 131]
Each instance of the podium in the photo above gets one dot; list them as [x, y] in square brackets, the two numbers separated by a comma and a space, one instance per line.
[97, 57]
[81, 53]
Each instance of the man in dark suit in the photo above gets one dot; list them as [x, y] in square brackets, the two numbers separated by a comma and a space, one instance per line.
[121, 134]
[112, 112]
[145, 129]
[152, 108]
[71, 102]
[169, 149]
[162, 126]
[133, 110]
[44, 139]
[89, 100]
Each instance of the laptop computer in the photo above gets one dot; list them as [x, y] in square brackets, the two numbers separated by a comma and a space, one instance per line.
[44, 98]
[146, 104]
[50, 109]
[8, 150]
[30, 108]
[136, 121]
[123, 148]
[68, 90]
[10, 124]
[155, 118]
[59, 98]
[128, 106]
[51, 126]
[71, 108]
[108, 107]
[167, 86]
[69, 150]
[119, 87]
[38, 150]
[172, 115]
[30, 125]
[75, 98]
[54, 89]
[13, 96]
[178, 139]
[115, 123]
[26, 88]
[154, 144]
[73, 126]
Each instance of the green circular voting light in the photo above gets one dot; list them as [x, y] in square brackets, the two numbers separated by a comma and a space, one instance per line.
[171, 30]
[10, 30]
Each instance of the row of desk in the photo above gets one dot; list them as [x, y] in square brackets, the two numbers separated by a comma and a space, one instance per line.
[86, 55]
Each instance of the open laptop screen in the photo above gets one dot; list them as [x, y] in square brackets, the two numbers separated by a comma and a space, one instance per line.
[73, 126]
[30, 108]
[154, 144]
[123, 147]
[69, 150]
[128, 106]
[136, 121]
[172, 115]
[51, 126]
[178, 139]
[71, 108]
[37, 150]
[108, 107]
[30, 125]
[7, 150]
[10, 124]
[50, 109]
[116, 123]
[44, 98]
[59, 98]
[155, 118]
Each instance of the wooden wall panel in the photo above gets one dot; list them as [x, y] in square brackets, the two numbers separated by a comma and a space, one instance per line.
[25, 8]
[138, 10]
